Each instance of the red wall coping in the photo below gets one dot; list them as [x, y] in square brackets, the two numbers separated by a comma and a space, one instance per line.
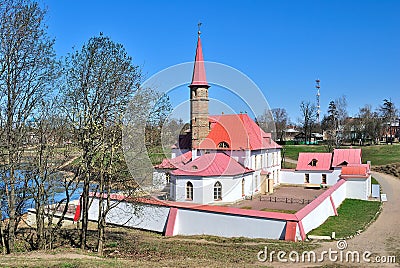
[169, 230]
[361, 177]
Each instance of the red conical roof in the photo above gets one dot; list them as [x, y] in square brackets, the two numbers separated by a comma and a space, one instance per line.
[199, 72]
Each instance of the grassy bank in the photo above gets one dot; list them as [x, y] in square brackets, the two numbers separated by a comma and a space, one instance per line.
[134, 248]
[354, 215]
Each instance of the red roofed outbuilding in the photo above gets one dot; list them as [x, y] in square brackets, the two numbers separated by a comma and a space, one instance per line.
[343, 157]
[314, 161]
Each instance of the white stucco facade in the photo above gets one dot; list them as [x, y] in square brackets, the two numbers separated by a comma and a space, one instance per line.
[290, 176]
[359, 188]
[233, 188]
[143, 216]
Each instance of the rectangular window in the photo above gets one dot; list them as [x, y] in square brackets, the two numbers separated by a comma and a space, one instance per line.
[323, 178]
[307, 178]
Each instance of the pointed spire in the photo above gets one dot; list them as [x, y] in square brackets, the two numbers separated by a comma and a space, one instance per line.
[199, 72]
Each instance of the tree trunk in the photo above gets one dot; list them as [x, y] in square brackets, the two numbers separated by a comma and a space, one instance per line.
[3, 241]
[85, 211]
[11, 207]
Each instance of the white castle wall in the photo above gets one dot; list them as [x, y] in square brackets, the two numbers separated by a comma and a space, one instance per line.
[359, 188]
[198, 221]
[291, 176]
[318, 211]
[192, 222]
[143, 216]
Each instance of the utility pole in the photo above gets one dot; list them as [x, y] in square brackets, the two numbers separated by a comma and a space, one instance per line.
[318, 104]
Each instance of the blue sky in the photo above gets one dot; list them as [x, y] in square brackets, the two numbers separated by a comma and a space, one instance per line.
[353, 47]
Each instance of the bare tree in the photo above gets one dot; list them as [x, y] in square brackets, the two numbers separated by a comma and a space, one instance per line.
[100, 80]
[49, 189]
[27, 71]
[281, 119]
[371, 124]
[158, 115]
[341, 107]
[308, 111]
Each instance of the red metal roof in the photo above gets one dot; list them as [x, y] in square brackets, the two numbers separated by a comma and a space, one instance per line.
[362, 170]
[199, 72]
[343, 157]
[239, 131]
[175, 162]
[322, 161]
[214, 164]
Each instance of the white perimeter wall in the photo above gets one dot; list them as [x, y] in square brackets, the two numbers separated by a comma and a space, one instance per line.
[197, 222]
[297, 177]
[191, 222]
[159, 179]
[359, 188]
[147, 217]
[320, 214]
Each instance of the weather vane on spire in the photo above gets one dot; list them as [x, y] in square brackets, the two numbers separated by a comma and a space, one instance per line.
[199, 25]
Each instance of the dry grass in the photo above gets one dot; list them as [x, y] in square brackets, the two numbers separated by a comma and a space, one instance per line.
[135, 248]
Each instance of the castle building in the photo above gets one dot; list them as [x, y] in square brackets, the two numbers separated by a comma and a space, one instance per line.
[223, 158]
[226, 158]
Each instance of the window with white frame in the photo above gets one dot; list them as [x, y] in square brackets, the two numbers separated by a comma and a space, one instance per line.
[189, 191]
[217, 191]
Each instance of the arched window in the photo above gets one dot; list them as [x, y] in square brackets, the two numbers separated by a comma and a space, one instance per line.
[243, 186]
[217, 191]
[189, 190]
[223, 144]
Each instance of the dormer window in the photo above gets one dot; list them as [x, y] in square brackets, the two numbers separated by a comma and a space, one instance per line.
[313, 162]
[344, 163]
[195, 168]
[223, 144]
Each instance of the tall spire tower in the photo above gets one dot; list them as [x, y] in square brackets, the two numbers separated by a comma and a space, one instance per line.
[199, 98]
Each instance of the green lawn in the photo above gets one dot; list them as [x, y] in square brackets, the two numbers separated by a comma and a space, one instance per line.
[377, 154]
[289, 165]
[353, 215]
[157, 154]
[292, 151]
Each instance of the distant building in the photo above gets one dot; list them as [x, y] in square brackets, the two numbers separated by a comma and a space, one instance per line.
[290, 134]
